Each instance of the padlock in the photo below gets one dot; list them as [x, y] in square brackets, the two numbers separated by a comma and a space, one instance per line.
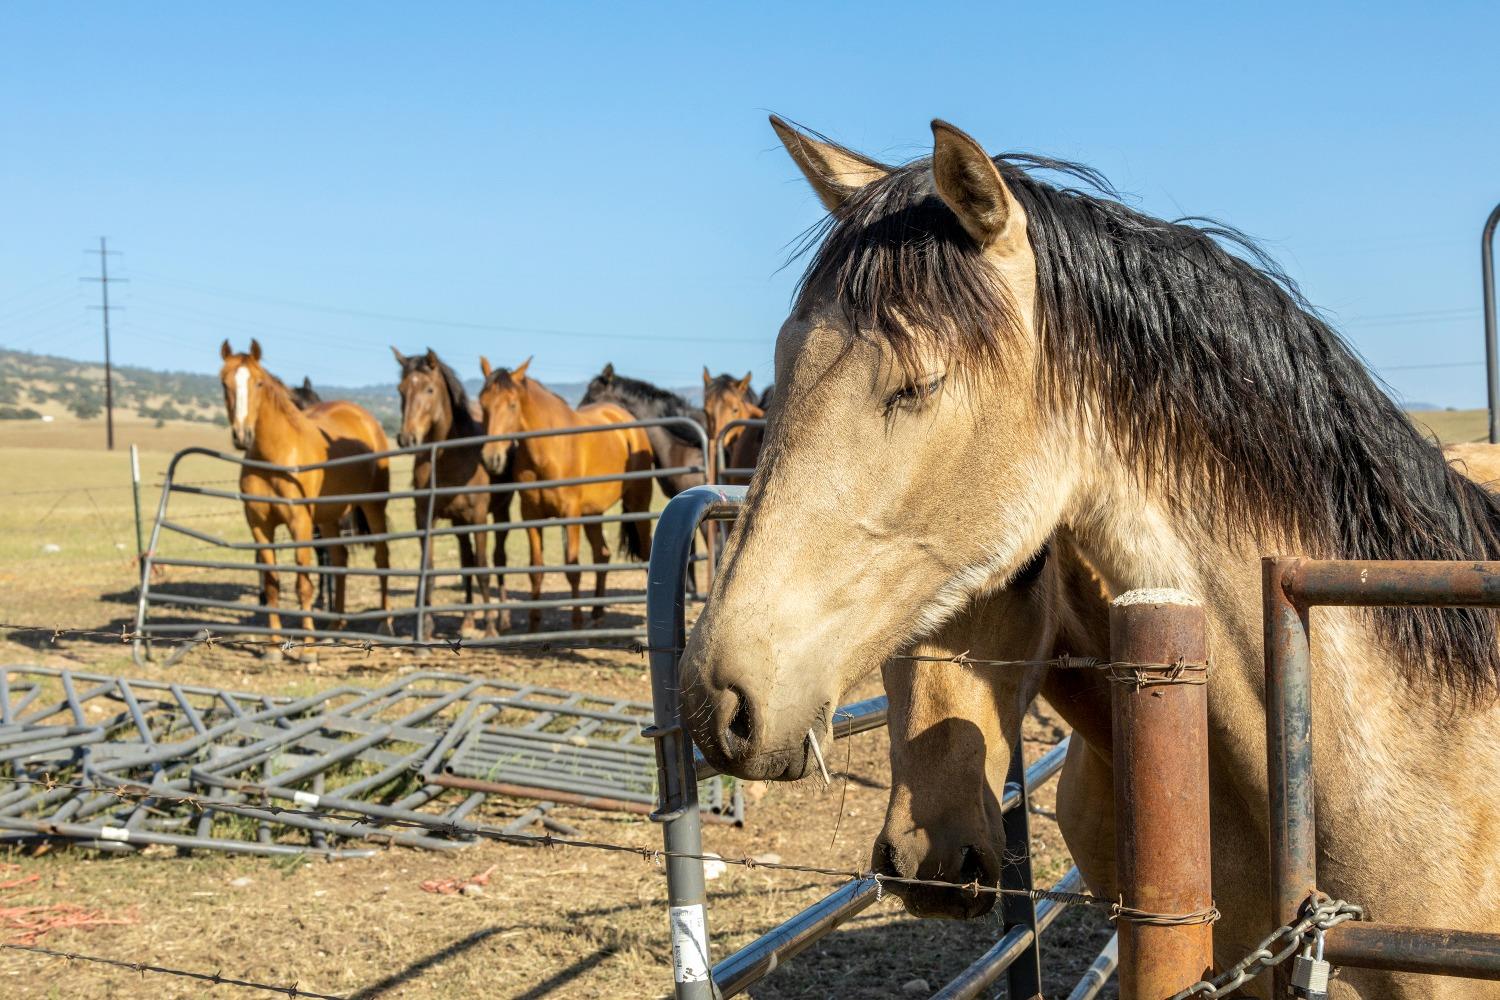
[1309, 972]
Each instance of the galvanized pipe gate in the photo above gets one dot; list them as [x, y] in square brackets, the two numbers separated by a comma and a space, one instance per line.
[152, 596]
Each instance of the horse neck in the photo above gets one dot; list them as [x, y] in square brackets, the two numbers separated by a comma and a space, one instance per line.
[280, 428]
[542, 409]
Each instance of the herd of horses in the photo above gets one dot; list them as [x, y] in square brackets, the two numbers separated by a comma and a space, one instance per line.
[1000, 401]
[586, 463]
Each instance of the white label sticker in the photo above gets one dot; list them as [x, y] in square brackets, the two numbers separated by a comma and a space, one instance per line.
[114, 833]
[689, 944]
[305, 798]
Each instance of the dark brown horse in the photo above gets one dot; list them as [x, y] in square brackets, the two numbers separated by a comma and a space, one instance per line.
[435, 407]
[266, 424]
[672, 447]
[514, 402]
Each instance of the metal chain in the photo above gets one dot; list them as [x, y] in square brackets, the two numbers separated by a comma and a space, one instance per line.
[1319, 913]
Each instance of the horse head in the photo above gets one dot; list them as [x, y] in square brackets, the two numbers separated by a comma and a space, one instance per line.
[245, 384]
[502, 400]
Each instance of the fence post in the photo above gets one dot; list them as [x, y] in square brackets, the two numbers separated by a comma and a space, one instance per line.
[425, 555]
[1024, 977]
[1159, 649]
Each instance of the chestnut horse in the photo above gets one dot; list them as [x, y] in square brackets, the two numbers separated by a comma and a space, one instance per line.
[435, 407]
[266, 424]
[987, 357]
[514, 402]
[726, 399]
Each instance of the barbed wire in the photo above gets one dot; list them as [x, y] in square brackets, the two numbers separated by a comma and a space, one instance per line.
[457, 646]
[214, 978]
[130, 792]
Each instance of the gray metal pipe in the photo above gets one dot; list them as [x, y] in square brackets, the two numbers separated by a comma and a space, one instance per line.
[1491, 349]
[1097, 975]
[987, 968]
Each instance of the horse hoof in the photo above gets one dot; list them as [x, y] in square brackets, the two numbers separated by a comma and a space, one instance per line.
[471, 632]
[304, 654]
[598, 614]
[272, 654]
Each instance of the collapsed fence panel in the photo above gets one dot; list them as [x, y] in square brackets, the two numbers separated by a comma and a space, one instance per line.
[230, 566]
[680, 769]
[120, 764]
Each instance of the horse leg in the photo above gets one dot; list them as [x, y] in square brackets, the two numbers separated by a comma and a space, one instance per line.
[482, 563]
[270, 584]
[600, 548]
[500, 508]
[466, 561]
[302, 532]
[375, 515]
[338, 558]
[570, 557]
[534, 536]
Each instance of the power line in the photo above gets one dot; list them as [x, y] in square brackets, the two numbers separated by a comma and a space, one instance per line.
[104, 307]
[450, 323]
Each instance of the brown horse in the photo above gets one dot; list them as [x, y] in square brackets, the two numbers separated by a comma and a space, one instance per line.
[988, 356]
[725, 400]
[514, 402]
[435, 407]
[268, 427]
[954, 726]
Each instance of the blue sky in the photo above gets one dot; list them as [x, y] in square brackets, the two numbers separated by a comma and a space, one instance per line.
[569, 180]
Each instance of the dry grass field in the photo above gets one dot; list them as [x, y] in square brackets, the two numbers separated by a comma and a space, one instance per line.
[552, 923]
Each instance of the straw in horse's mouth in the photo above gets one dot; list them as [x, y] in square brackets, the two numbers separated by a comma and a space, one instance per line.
[817, 752]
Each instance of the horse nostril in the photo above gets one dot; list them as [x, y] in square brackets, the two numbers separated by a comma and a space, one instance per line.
[741, 722]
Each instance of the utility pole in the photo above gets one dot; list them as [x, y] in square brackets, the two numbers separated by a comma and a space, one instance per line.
[104, 307]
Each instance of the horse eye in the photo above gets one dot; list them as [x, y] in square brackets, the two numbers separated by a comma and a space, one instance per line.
[913, 394]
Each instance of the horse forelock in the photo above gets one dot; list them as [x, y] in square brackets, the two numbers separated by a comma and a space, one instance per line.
[1216, 370]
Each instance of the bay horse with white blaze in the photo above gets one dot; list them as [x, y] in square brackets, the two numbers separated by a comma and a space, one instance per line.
[988, 357]
[435, 407]
[266, 424]
[514, 402]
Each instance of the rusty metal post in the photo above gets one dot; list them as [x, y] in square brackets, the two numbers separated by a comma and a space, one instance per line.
[1294, 859]
[1159, 649]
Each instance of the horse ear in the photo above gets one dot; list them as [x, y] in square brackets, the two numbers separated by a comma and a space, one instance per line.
[609, 371]
[255, 348]
[834, 172]
[432, 358]
[306, 384]
[745, 382]
[400, 358]
[484, 366]
[225, 350]
[708, 379]
[969, 183]
[519, 372]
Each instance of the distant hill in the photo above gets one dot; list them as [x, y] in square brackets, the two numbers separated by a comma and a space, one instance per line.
[37, 385]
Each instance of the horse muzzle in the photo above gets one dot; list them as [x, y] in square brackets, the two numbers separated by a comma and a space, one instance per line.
[737, 738]
[242, 439]
[406, 440]
[964, 865]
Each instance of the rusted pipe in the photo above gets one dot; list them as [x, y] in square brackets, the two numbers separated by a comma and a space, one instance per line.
[1389, 583]
[1294, 866]
[1395, 948]
[1160, 721]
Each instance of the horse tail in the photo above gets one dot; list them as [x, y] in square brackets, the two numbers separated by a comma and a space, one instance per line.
[630, 540]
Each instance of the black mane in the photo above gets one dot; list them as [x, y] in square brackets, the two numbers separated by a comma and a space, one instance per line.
[644, 401]
[1215, 369]
[465, 423]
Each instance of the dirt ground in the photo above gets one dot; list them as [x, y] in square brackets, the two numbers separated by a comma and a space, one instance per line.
[551, 922]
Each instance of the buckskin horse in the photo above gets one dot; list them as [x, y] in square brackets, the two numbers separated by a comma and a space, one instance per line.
[514, 402]
[988, 356]
[435, 407]
[266, 424]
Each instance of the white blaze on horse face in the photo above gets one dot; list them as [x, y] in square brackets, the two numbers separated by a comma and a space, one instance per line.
[241, 399]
